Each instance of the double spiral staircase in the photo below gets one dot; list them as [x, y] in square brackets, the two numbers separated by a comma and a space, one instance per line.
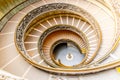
[30, 36]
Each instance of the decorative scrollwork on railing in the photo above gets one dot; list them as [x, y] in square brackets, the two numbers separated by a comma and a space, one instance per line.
[24, 26]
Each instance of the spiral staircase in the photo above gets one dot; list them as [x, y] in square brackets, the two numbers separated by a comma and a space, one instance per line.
[30, 31]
